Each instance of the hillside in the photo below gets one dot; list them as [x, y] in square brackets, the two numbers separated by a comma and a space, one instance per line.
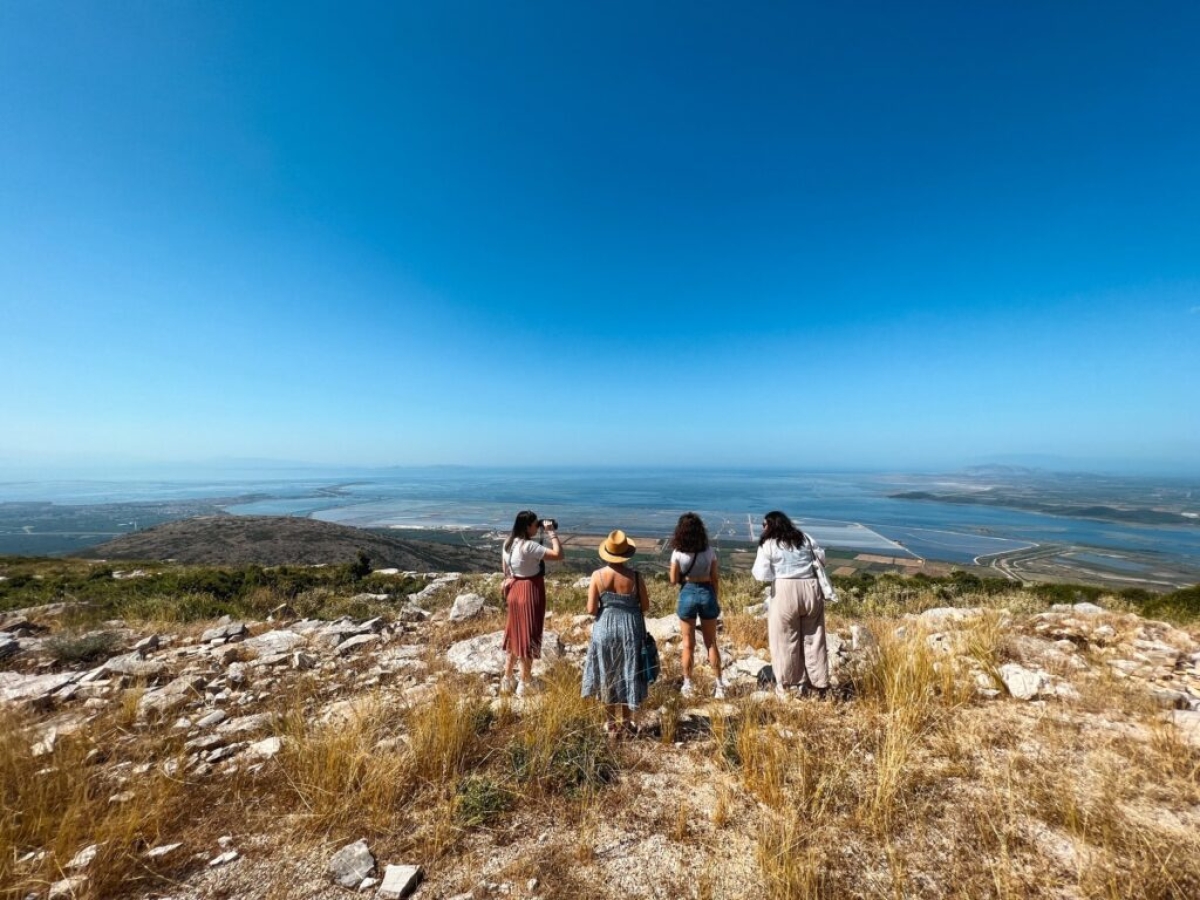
[980, 744]
[279, 541]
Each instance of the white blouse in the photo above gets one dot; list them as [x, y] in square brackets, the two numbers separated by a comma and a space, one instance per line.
[523, 558]
[774, 561]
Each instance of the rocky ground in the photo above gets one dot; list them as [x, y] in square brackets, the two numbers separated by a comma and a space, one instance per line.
[306, 758]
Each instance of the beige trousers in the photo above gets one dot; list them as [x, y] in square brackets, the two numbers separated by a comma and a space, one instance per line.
[796, 630]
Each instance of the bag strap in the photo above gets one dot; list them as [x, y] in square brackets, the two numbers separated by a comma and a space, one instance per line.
[683, 575]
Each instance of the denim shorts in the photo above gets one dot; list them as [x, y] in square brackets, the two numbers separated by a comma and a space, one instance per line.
[697, 600]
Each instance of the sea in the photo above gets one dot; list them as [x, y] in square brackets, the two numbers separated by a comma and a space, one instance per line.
[847, 510]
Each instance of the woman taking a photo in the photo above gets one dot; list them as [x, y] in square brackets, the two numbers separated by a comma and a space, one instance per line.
[613, 670]
[694, 569]
[796, 621]
[525, 595]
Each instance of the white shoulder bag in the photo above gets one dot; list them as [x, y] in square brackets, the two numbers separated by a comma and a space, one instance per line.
[823, 578]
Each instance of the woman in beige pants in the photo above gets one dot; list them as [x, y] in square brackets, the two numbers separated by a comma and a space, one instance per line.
[796, 621]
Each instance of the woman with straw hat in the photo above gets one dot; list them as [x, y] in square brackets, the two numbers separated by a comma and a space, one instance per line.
[525, 595]
[613, 669]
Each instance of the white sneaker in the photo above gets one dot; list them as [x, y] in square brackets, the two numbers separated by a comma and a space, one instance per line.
[687, 690]
[719, 691]
[521, 688]
[782, 694]
[507, 684]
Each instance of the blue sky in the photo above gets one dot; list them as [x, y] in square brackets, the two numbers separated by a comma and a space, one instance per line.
[879, 235]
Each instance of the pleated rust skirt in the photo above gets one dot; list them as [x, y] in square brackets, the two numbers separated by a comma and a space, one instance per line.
[526, 617]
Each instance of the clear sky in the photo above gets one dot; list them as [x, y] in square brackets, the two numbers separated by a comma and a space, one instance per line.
[832, 234]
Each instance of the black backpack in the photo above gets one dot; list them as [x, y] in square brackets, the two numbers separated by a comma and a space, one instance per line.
[766, 678]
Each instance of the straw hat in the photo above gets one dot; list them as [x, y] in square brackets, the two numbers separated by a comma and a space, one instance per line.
[617, 548]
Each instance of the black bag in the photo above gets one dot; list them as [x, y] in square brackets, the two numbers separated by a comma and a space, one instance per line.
[766, 678]
[650, 664]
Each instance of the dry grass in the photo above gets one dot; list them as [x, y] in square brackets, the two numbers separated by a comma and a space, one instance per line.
[914, 788]
[59, 802]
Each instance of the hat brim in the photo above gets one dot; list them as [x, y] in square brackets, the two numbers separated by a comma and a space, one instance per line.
[613, 557]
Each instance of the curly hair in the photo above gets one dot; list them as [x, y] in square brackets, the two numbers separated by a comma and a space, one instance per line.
[778, 527]
[690, 534]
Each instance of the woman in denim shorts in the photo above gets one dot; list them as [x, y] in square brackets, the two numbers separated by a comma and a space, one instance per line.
[694, 569]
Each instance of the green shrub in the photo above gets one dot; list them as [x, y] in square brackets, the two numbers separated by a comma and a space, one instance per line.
[479, 800]
[68, 648]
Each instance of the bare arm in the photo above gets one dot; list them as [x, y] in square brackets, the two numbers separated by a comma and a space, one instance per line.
[643, 595]
[593, 600]
[556, 552]
[674, 574]
[714, 577]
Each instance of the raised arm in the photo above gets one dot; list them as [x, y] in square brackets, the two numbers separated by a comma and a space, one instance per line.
[555, 551]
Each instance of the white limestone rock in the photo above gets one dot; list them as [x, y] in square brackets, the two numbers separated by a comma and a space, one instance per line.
[1024, 684]
[399, 882]
[350, 865]
[466, 606]
[484, 655]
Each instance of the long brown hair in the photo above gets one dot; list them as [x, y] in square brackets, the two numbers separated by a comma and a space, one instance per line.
[520, 529]
[778, 527]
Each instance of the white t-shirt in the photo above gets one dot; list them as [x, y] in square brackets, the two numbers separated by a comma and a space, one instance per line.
[774, 561]
[523, 557]
[702, 566]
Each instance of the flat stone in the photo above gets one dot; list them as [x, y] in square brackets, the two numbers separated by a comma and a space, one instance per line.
[272, 642]
[266, 748]
[174, 695]
[399, 882]
[9, 645]
[350, 865]
[146, 644]
[216, 717]
[234, 631]
[245, 724]
[1087, 609]
[663, 629]
[224, 859]
[750, 665]
[1022, 683]
[136, 666]
[484, 655]
[466, 606]
[15, 686]
[357, 643]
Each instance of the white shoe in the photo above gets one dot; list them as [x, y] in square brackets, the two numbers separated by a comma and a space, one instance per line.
[719, 691]
[687, 690]
[507, 685]
[782, 694]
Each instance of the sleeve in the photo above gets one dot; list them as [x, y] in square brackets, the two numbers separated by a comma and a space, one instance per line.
[818, 551]
[533, 550]
[763, 569]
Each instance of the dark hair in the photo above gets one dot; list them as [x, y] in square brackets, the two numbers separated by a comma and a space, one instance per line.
[779, 527]
[690, 535]
[520, 529]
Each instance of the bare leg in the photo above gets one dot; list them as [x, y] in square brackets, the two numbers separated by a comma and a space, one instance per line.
[687, 631]
[708, 627]
[526, 669]
[509, 662]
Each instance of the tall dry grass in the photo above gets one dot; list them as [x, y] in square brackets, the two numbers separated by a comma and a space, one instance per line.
[60, 802]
